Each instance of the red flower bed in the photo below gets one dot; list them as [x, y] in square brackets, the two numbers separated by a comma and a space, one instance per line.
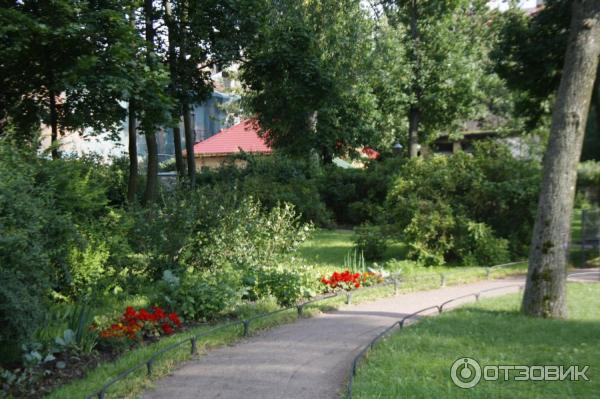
[145, 323]
[344, 280]
[347, 281]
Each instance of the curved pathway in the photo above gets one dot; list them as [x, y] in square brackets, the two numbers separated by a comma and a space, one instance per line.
[307, 359]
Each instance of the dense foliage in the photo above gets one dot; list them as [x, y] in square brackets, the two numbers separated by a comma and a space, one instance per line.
[472, 209]
[324, 195]
[309, 56]
[67, 235]
[588, 180]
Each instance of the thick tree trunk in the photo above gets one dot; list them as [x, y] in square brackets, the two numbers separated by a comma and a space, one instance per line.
[189, 144]
[133, 156]
[171, 28]
[414, 116]
[53, 126]
[151, 144]
[413, 131]
[545, 288]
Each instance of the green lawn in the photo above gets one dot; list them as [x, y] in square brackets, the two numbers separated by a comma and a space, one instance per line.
[416, 362]
[327, 249]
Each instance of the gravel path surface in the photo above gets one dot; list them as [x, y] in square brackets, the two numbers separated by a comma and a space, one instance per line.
[308, 359]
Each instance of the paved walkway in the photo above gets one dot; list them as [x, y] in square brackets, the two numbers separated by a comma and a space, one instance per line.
[308, 359]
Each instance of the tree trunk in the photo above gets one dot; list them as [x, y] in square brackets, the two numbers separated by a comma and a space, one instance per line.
[545, 288]
[152, 172]
[597, 101]
[133, 156]
[179, 165]
[53, 126]
[414, 116]
[413, 131]
[189, 144]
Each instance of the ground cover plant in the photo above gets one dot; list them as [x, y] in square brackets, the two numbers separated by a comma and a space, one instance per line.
[416, 361]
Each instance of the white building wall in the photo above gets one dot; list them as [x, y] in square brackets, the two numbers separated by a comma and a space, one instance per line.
[504, 5]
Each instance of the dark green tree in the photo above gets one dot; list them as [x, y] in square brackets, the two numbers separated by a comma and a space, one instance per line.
[529, 56]
[305, 76]
[63, 65]
[437, 80]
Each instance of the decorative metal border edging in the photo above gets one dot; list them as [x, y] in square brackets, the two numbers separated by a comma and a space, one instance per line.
[394, 279]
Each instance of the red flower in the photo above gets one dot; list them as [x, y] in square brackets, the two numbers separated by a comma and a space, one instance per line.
[159, 313]
[167, 329]
[175, 319]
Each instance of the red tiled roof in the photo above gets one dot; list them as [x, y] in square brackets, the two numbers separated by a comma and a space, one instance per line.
[241, 137]
[370, 153]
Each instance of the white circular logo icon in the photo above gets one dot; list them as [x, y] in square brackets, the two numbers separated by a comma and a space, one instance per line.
[465, 372]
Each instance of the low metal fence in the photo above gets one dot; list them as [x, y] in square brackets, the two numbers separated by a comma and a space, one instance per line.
[395, 279]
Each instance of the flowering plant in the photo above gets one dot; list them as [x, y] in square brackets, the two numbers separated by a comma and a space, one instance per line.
[368, 279]
[145, 323]
[345, 280]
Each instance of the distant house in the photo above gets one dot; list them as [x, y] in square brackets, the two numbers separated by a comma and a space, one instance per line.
[244, 137]
[215, 150]
[207, 119]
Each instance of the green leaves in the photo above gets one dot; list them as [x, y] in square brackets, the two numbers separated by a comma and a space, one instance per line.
[436, 56]
[470, 209]
[78, 50]
[306, 75]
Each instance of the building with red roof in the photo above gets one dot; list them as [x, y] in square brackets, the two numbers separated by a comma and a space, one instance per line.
[243, 137]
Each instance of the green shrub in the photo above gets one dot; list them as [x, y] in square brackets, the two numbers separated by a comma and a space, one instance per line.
[274, 180]
[357, 196]
[588, 181]
[25, 218]
[478, 246]
[286, 283]
[465, 208]
[201, 295]
[370, 241]
[241, 234]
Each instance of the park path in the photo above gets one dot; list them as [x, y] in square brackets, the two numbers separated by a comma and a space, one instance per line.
[307, 359]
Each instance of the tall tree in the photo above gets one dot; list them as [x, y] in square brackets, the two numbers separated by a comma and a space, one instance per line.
[200, 35]
[529, 57]
[445, 59]
[64, 63]
[305, 77]
[173, 38]
[545, 288]
[151, 191]
[133, 155]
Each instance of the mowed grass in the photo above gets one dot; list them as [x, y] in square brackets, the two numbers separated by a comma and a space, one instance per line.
[416, 362]
[326, 249]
